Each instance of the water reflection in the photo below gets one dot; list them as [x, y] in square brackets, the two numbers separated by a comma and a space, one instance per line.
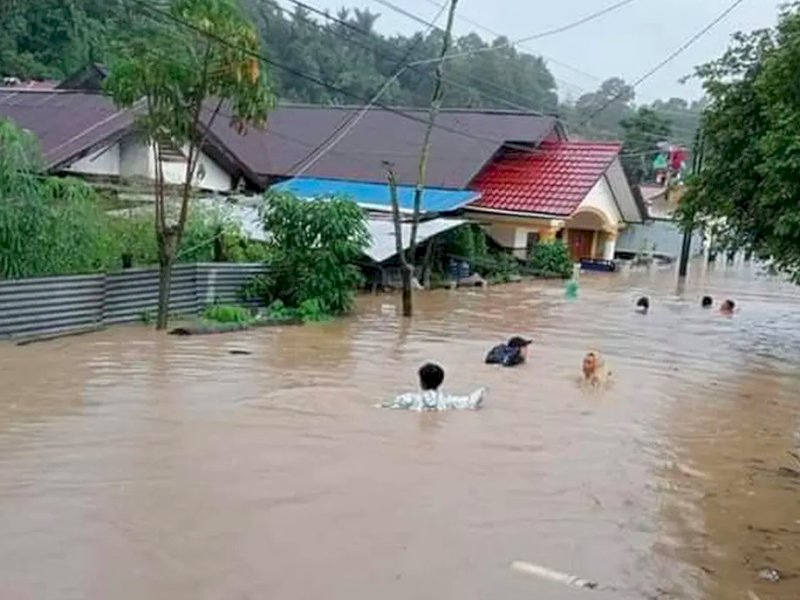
[134, 465]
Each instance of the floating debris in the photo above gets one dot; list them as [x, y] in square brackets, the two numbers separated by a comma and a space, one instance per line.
[686, 470]
[769, 574]
[240, 352]
[551, 575]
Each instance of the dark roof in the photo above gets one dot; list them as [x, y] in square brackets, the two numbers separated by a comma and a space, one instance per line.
[68, 124]
[553, 180]
[72, 123]
[463, 141]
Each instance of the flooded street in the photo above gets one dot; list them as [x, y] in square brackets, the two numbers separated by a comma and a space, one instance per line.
[139, 466]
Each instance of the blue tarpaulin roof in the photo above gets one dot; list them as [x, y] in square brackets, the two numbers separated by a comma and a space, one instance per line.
[376, 195]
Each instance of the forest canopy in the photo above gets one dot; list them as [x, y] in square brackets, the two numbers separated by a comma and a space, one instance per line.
[51, 39]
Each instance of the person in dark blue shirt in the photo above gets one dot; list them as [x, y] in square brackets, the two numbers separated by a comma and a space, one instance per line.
[512, 353]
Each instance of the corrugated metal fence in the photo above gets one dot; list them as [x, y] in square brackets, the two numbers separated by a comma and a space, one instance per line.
[664, 237]
[50, 304]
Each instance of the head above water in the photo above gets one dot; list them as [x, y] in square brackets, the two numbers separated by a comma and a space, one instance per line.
[591, 362]
[728, 306]
[431, 376]
[643, 303]
[707, 302]
[520, 344]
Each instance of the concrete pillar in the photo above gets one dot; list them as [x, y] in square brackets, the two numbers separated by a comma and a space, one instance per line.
[609, 245]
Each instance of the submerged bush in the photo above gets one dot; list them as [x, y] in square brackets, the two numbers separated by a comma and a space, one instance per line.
[313, 248]
[551, 259]
[223, 313]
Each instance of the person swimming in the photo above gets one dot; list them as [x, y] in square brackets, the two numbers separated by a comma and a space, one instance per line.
[707, 302]
[728, 307]
[431, 377]
[643, 305]
[512, 353]
[594, 369]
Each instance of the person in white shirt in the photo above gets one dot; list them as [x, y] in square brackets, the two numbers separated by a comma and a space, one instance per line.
[431, 397]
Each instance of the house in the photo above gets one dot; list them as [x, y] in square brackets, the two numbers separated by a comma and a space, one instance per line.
[514, 172]
[573, 191]
[82, 133]
[530, 183]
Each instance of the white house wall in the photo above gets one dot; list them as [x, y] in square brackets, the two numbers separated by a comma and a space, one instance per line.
[133, 157]
[209, 175]
[601, 198]
[103, 162]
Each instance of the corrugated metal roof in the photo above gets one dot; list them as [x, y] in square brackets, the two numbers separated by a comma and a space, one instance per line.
[382, 246]
[376, 195]
[553, 180]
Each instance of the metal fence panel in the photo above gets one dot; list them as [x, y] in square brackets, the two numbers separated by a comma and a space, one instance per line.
[51, 304]
[663, 237]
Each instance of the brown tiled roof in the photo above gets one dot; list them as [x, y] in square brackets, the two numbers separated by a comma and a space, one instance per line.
[67, 124]
[294, 131]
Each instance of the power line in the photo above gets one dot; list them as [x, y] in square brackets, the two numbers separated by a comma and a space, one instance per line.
[680, 50]
[257, 55]
[450, 81]
[347, 123]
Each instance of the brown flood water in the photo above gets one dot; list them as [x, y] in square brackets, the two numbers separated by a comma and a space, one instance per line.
[138, 466]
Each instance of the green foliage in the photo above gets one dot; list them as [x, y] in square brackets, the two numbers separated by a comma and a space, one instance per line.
[551, 259]
[146, 317]
[47, 225]
[58, 226]
[313, 246]
[748, 188]
[309, 311]
[223, 313]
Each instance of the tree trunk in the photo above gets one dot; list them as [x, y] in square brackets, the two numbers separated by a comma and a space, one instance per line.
[166, 257]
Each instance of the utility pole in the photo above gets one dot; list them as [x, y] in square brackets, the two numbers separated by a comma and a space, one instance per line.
[686, 248]
[407, 264]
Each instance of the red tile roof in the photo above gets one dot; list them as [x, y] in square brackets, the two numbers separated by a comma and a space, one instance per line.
[553, 179]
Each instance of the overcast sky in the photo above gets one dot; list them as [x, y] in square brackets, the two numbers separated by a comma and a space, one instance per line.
[627, 42]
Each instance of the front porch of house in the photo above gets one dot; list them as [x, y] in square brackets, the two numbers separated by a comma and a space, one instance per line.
[589, 233]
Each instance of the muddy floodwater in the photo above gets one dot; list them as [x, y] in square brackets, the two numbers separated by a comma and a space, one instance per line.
[139, 466]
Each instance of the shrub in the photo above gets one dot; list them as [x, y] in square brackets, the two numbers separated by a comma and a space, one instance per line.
[551, 259]
[223, 313]
[313, 246]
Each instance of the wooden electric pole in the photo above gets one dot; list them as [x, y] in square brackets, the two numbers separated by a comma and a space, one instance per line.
[407, 262]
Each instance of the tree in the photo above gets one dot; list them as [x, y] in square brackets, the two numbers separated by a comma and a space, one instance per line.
[642, 132]
[180, 78]
[312, 247]
[748, 191]
[407, 260]
[600, 113]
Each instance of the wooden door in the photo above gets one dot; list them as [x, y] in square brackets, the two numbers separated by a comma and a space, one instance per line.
[580, 243]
